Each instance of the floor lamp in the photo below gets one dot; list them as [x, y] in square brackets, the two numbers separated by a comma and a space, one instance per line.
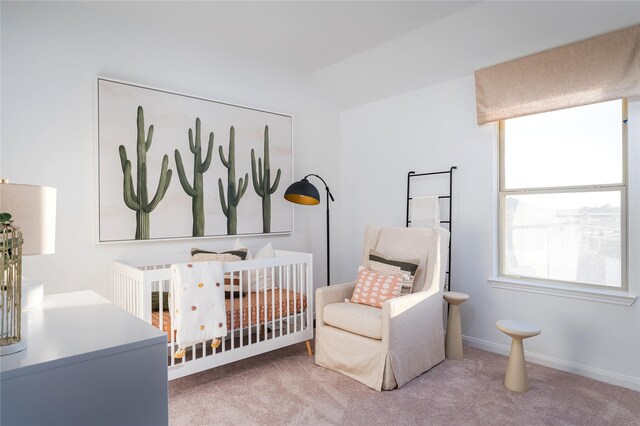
[303, 192]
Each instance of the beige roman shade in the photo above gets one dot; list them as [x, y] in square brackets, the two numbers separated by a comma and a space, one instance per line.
[598, 69]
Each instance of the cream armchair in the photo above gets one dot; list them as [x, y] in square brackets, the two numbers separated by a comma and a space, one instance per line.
[386, 348]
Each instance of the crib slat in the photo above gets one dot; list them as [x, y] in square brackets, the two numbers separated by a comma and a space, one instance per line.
[264, 305]
[249, 305]
[289, 272]
[295, 299]
[273, 303]
[231, 305]
[280, 310]
[241, 308]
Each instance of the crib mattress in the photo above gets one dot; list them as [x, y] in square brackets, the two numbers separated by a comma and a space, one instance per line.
[276, 307]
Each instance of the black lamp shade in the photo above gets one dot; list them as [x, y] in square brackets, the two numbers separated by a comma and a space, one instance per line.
[302, 192]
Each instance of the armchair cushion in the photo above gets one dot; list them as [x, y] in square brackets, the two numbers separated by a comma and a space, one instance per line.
[373, 288]
[355, 318]
[199, 255]
[405, 268]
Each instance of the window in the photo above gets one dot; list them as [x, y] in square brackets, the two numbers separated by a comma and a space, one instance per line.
[563, 196]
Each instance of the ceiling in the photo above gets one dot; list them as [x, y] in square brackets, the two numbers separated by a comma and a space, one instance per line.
[305, 36]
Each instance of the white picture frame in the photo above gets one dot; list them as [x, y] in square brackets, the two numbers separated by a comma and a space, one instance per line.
[175, 205]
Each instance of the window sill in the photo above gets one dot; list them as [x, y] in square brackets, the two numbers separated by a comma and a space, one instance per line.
[593, 295]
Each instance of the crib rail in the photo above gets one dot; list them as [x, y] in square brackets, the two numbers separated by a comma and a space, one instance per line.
[275, 311]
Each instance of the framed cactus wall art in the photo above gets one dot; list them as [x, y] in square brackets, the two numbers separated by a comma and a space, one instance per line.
[179, 166]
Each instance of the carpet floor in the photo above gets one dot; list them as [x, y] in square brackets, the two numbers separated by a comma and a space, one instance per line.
[285, 387]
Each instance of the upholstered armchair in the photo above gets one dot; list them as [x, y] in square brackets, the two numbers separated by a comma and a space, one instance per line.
[387, 347]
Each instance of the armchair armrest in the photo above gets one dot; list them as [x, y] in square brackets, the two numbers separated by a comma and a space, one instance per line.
[413, 334]
[331, 294]
[412, 320]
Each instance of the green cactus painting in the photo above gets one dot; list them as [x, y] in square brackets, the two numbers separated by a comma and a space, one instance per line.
[229, 206]
[195, 190]
[262, 182]
[137, 198]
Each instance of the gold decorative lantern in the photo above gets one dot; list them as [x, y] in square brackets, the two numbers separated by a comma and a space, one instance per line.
[11, 286]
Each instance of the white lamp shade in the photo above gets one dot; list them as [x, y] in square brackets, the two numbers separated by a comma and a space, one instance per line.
[33, 210]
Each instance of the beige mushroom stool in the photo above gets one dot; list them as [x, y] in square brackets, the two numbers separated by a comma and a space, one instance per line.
[453, 340]
[516, 378]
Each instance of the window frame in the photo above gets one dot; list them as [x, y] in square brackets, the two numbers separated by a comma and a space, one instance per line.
[621, 187]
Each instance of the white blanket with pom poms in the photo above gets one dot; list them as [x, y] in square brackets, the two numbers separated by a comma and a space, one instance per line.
[197, 307]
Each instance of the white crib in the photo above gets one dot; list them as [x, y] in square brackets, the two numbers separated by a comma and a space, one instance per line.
[259, 321]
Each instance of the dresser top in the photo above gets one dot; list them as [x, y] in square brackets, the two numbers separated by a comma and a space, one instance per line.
[68, 328]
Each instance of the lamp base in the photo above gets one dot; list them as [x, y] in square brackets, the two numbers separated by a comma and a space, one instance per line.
[32, 293]
[13, 348]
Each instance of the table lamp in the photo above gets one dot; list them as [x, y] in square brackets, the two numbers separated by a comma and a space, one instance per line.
[28, 224]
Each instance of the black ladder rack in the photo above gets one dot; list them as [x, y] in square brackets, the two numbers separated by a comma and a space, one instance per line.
[448, 196]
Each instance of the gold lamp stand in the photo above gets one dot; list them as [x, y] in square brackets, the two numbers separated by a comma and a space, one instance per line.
[10, 287]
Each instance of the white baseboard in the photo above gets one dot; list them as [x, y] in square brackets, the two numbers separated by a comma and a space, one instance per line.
[610, 377]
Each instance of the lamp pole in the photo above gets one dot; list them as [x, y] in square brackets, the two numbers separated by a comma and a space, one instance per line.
[329, 196]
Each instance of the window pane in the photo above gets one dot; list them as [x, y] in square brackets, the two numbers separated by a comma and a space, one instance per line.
[564, 236]
[576, 146]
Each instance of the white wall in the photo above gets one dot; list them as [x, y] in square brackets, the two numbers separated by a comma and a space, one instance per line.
[433, 128]
[51, 55]
[484, 34]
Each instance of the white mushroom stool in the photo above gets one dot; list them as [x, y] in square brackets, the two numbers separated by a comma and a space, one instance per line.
[516, 377]
[453, 340]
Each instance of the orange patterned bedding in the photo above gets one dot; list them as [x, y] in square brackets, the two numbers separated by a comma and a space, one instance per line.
[276, 307]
